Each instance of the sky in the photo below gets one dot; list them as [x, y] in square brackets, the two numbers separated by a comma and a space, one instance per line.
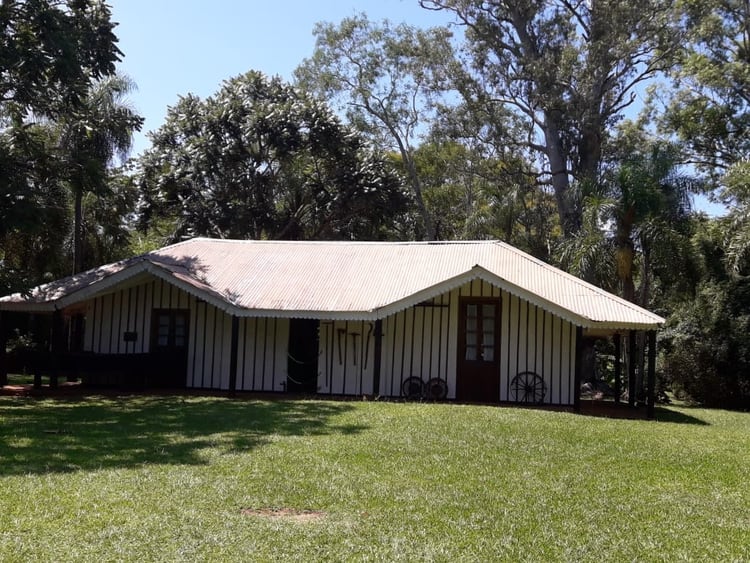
[175, 47]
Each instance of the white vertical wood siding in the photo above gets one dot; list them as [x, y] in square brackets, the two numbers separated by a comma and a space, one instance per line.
[422, 341]
[346, 357]
[263, 343]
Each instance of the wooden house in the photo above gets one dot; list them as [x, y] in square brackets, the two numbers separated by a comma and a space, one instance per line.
[470, 321]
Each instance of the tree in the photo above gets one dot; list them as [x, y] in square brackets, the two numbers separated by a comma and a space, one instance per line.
[637, 227]
[50, 51]
[640, 213]
[705, 346]
[737, 238]
[261, 159]
[474, 195]
[99, 129]
[567, 69]
[710, 107]
[383, 76]
[34, 209]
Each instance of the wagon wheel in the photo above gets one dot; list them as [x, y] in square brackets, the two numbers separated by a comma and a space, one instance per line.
[412, 388]
[528, 387]
[436, 389]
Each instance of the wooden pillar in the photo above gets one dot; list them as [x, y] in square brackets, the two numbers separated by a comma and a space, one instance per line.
[631, 368]
[376, 360]
[618, 367]
[3, 358]
[578, 369]
[651, 396]
[56, 345]
[233, 355]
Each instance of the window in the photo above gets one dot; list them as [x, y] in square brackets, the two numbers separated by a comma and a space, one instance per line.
[480, 332]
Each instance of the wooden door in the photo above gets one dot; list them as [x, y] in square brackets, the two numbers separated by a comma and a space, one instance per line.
[169, 347]
[478, 371]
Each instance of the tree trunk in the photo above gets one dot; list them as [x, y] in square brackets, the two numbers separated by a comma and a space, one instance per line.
[645, 290]
[78, 232]
[416, 186]
[570, 219]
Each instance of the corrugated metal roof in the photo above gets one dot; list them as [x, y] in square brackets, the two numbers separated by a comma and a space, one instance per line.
[350, 279]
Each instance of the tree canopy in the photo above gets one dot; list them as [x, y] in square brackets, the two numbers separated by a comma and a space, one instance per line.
[261, 159]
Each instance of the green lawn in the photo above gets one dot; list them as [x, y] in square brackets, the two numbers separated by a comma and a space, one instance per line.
[167, 478]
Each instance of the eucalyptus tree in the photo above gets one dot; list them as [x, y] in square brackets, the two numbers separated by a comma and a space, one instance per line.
[385, 78]
[92, 135]
[261, 159]
[709, 109]
[567, 70]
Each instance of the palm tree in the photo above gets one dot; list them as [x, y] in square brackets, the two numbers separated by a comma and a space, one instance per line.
[633, 218]
[91, 137]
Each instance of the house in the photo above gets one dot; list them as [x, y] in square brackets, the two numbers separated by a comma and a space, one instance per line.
[470, 321]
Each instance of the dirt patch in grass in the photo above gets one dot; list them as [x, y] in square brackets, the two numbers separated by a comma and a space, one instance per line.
[292, 514]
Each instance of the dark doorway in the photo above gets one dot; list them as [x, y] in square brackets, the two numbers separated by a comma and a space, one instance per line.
[478, 377]
[302, 373]
[169, 347]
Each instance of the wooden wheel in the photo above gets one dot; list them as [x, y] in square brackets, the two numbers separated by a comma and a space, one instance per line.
[436, 389]
[412, 388]
[528, 387]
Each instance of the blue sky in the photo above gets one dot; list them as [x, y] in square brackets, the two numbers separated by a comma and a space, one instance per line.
[176, 47]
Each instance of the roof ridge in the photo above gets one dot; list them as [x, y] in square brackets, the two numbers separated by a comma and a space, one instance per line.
[332, 242]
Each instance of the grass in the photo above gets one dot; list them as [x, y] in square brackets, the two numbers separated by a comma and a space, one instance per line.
[167, 478]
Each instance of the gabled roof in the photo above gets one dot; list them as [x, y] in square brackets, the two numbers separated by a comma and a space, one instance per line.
[344, 280]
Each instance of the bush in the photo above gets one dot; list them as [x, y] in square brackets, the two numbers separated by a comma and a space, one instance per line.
[706, 347]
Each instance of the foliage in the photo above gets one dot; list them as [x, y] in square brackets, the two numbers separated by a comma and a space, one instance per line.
[710, 111]
[33, 209]
[91, 136]
[474, 196]
[706, 348]
[50, 52]
[567, 70]
[385, 77]
[392, 481]
[639, 214]
[261, 159]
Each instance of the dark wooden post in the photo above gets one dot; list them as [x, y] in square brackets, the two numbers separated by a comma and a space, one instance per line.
[618, 366]
[3, 359]
[56, 345]
[376, 360]
[578, 369]
[651, 374]
[631, 368]
[233, 356]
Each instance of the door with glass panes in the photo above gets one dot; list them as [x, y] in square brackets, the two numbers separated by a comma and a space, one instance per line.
[478, 370]
[169, 347]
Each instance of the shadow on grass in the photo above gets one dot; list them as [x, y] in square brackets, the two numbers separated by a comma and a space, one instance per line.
[665, 414]
[61, 435]
[610, 409]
